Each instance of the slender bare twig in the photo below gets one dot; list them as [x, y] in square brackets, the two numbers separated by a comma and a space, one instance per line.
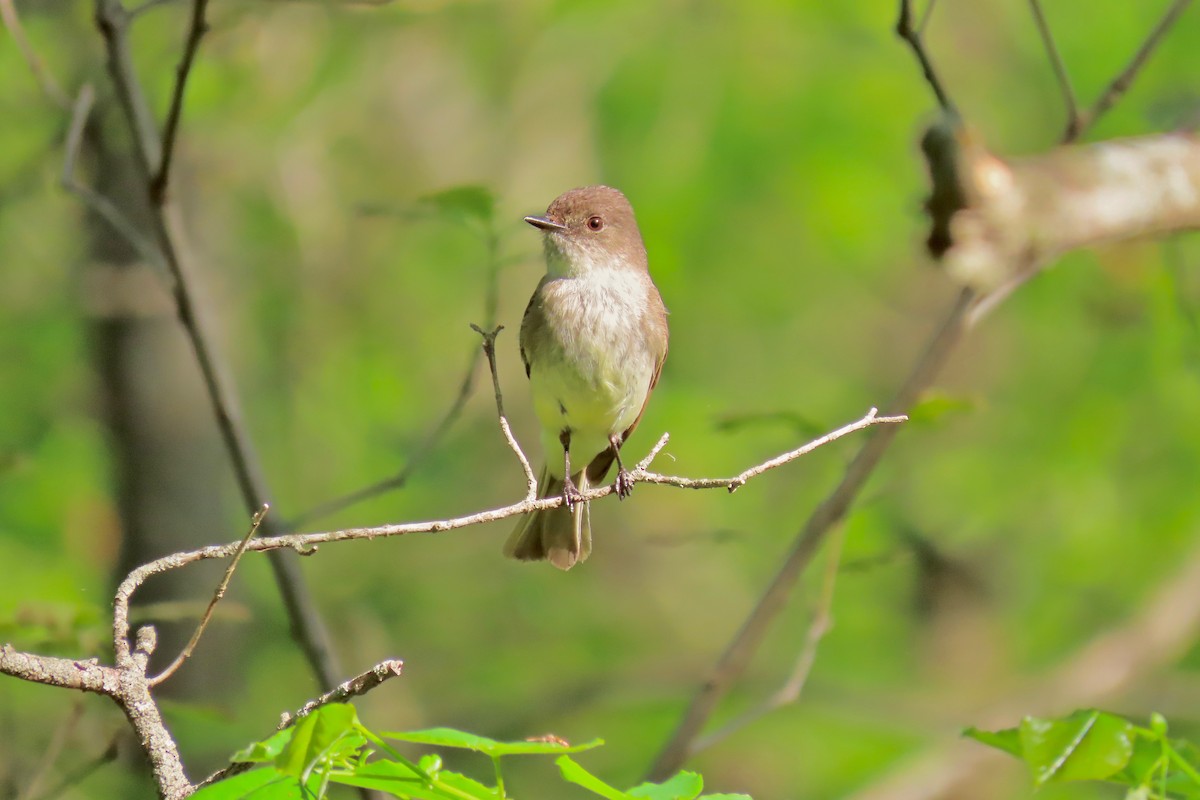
[1080, 124]
[206, 617]
[489, 349]
[789, 692]
[906, 31]
[356, 686]
[104, 208]
[307, 626]
[308, 542]
[926, 15]
[491, 302]
[1056, 61]
[78, 774]
[832, 510]
[197, 27]
[418, 456]
[50, 87]
[58, 741]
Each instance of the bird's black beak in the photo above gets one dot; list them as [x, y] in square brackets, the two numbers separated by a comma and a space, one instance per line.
[545, 223]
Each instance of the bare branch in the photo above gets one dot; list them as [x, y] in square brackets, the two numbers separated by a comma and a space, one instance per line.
[1056, 61]
[789, 692]
[830, 512]
[104, 208]
[307, 543]
[196, 30]
[995, 221]
[54, 749]
[206, 617]
[489, 349]
[127, 686]
[12, 21]
[906, 31]
[1080, 124]
[356, 686]
[307, 627]
[1097, 674]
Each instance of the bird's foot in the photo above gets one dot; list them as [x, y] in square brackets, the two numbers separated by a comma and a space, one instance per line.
[624, 484]
[571, 493]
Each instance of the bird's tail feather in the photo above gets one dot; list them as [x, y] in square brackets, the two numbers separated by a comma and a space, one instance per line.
[559, 535]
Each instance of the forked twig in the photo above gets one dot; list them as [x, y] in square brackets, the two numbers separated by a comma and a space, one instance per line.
[206, 617]
[489, 349]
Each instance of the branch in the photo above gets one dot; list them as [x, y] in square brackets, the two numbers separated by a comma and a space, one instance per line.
[12, 21]
[126, 684]
[1078, 125]
[830, 512]
[104, 208]
[1060, 69]
[996, 220]
[789, 692]
[196, 30]
[914, 36]
[206, 617]
[1097, 674]
[307, 543]
[489, 350]
[359, 685]
[307, 627]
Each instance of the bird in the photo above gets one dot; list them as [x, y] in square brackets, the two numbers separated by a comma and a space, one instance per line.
[593, 341]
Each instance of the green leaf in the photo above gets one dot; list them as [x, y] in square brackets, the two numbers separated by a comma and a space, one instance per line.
[684, 786]
[1087, 745]
[317, 737]
[724, 797]
[1008, 740]
[449, 737]
[264, 783]
[266, 750]
[466, 202]
[395, 778]
[576, 774]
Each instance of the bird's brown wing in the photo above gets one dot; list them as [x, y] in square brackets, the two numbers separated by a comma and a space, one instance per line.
[531, 323]
[599, 465]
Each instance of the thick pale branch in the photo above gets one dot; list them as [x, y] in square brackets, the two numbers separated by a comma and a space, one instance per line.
[996, 220]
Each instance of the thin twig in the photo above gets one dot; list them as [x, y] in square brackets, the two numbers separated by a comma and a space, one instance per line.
[925, 17]
[197, 27]
[489, 349]
[306, 624]
[79, 774]
[355, 687]
[12, 21]
[1056, 61]
[104, 208]
[906, 31]
[206, 617]
[53, 750]
[789, 692]
[832, 510]
[491, 303]
[1080, 125]
[307, 543]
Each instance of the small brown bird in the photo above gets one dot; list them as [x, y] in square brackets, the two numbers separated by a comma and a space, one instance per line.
[593, 340]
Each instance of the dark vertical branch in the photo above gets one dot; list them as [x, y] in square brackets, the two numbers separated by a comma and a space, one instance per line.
[112, 20]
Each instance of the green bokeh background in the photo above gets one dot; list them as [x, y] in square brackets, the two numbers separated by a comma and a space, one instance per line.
[769, 149]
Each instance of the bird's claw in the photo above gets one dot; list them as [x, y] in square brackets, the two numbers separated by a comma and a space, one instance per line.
[571, 493]
[624, 484]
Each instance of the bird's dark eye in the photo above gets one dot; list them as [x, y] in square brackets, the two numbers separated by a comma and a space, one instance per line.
[595, 223]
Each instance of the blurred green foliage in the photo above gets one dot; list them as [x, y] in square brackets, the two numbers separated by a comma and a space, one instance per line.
[326, 168]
